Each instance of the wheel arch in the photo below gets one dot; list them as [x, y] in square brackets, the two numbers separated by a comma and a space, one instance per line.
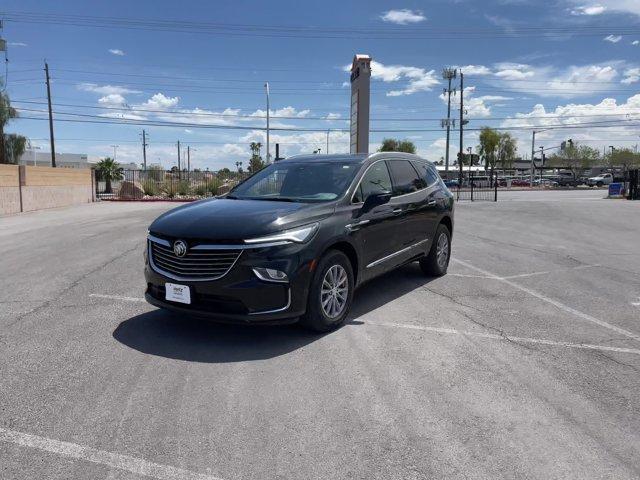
[349, 250]
[447, 222]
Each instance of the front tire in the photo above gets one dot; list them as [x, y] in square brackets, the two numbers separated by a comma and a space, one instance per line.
[330, 294]
[435, 264]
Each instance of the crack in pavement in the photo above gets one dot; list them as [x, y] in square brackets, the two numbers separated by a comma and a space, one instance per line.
[72, 285]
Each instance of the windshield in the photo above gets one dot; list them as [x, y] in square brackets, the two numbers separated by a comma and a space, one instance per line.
[298, 182]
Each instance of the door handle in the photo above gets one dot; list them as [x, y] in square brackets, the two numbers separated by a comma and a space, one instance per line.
[397, 211]
[431, 203]
[354, 226]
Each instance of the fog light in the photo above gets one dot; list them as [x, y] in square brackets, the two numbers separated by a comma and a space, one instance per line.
[270, 275]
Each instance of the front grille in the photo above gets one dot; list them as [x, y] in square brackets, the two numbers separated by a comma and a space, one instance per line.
[195, 265]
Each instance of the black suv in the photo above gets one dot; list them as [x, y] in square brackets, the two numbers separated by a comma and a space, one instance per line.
[294, 240]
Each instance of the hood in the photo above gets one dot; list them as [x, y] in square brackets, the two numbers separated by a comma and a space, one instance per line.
[223, 219]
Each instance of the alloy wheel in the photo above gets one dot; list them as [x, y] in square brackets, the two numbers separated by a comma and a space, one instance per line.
[334, 291]
[442, 250]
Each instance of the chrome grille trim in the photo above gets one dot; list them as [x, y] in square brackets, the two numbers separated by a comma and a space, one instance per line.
[193, 267]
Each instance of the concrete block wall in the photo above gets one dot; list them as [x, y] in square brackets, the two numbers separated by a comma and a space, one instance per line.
[28, 188]
[9, 189]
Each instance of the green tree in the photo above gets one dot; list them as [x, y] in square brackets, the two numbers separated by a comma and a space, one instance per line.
[393, 145]
[109, 171]
[507, 149]
[575, 158]
[7, 112]
[15, 146]
[255, 162]
[623, 157]
[488, 148]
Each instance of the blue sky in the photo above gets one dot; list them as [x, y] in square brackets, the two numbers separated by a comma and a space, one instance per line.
[526, 63]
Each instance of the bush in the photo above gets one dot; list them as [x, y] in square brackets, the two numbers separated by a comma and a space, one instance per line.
[170, 188]
[184, 188]
[201, 190]
[213, 186]
[150, 187]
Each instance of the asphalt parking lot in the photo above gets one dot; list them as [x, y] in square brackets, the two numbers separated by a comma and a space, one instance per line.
[522, 362]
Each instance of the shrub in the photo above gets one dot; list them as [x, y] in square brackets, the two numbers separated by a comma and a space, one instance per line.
[213, 186]
[150, 187]
[183, 187]
[201, 190]
[170, 188]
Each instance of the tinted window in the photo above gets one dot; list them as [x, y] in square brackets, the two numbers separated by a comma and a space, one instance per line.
[304, 182]
[405, 177]
[427, 172]
[376, 180]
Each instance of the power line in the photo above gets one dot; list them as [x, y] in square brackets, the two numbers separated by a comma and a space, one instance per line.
[187, 112]
[313, 31]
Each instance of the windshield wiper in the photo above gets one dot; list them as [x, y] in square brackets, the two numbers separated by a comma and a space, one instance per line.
[232, 197]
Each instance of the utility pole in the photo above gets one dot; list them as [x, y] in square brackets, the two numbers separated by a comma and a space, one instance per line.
[144, 150]
[53, 143]
[179, 171]
[266, 86]
[115, 151]
[188, 158]
[533, 153]
[448, 74]
[328, 141]
[461, 127]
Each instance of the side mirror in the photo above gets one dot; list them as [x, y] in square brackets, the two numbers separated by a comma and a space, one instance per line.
[374, 200]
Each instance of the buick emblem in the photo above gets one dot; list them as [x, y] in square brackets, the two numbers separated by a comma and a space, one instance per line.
[180, 248]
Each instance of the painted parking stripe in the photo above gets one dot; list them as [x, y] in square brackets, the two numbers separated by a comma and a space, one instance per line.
[117, 297]
[555, 303]
[509, 338]
[127, 463]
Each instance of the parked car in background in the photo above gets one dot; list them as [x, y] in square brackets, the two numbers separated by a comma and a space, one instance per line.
[545, 182]
[294, 240]
[519, 182]
[600, 180]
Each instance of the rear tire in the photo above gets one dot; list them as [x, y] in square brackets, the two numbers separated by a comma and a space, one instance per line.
[330, 294]
[435, 264]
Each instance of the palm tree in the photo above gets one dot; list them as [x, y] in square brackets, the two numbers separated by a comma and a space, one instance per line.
[109, 170]
[7, 112]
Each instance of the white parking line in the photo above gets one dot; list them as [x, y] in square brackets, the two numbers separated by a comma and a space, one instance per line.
[540, 341]
[117, 297]
[522, 275]
[551, 301]
[127, 463]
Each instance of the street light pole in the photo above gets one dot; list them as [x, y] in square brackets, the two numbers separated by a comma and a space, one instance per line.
[115, 151]
[266, 86]
[533, 154]
[328, 130]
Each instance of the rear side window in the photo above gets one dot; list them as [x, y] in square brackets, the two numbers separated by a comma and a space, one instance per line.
[376, 180]
[427, 172]
[405, 178]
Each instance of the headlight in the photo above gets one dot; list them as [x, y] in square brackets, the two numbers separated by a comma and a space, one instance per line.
[297, 235]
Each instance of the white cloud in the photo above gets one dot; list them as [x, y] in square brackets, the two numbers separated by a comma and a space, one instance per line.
[475, 70]
[333, 116]
[112, 100]
[403, 16]
[547, 81]
[105, 89]
[17, 44]
[617, 6]
[631, 75]
[635, 42]
[513, 71]
[282, 112]
[418, 79]
[595, 9]
[475, 106]
[572, 114]
[612, 38]
[299, 143]
[117, 52]
[160, 102]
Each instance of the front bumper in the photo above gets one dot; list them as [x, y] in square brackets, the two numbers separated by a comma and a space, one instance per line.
[240, 296]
